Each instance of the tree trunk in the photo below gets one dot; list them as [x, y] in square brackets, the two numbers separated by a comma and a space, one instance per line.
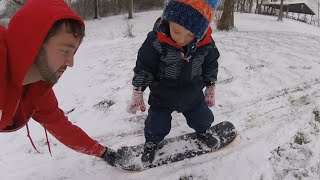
[257, 5]
[318, 14]
[281, 11]
[116, 7]
[227, 20]
[238, 5]
[19, 2]
[232, 20]
[243, 4]
[96, 9]
[130, 9]
[250, 6]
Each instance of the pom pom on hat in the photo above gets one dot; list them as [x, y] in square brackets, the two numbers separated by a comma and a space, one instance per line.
[213, 3]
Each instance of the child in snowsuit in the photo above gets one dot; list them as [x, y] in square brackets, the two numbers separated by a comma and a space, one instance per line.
[176, 61]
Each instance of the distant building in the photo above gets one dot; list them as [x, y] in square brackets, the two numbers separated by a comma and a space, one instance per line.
[302, 10]
[301, 7]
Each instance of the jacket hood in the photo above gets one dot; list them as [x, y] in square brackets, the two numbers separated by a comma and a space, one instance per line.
[161, 26]
[3, 64]
[27, 31]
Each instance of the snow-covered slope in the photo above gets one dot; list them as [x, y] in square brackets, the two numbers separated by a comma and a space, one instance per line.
[268, 87]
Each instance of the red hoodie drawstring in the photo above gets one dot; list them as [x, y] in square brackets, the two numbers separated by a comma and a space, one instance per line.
[47, 139]
[45, 130]
[31, 138]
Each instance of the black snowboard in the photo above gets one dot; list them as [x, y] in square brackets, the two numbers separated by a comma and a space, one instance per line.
[175, 149]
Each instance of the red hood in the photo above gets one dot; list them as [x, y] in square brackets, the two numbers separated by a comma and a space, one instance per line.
[25, 34]
[3, 62]
[27, 30]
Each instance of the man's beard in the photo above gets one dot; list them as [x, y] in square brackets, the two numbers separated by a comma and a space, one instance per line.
[46, 72]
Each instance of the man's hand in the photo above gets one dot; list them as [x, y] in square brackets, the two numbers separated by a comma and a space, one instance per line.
[110, 156]
[136, 102]
[209, 95]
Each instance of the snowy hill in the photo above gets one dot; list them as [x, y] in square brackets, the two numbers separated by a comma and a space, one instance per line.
[269, 86]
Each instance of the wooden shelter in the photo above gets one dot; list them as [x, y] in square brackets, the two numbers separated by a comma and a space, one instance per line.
[294, 7]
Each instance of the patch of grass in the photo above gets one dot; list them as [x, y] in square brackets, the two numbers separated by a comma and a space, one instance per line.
[303, 100]
[104, 104]
[300, 138]
[316, 115]
[185, 177]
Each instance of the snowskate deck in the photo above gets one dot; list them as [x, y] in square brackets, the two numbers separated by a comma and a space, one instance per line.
[175, 149]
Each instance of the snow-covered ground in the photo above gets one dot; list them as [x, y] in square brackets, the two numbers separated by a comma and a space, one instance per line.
[269, 87]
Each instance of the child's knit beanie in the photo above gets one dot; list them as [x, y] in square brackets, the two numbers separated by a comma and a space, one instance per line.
[194, 15]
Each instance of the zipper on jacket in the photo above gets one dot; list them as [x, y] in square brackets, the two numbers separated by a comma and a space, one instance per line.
[180, 85]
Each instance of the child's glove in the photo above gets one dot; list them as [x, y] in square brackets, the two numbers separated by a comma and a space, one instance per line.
[110, 156]
[136, 102]
[209, 95]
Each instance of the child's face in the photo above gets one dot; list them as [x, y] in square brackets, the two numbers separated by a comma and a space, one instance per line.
[180, 35]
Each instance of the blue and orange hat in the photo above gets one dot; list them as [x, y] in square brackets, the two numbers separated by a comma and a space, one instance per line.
[194, 15]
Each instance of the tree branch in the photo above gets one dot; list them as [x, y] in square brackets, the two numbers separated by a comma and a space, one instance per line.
[18, 2]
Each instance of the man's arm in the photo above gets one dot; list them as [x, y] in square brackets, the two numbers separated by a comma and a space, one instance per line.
[52, 118]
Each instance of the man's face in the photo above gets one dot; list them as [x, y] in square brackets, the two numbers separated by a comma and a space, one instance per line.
[180, 35]
[56, 55]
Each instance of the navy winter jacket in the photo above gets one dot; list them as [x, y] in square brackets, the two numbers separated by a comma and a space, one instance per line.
[175, 77]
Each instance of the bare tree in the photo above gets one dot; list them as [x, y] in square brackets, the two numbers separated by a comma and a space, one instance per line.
[250, 5]
[259, 6]
[129, 28]
[21, 3]
[281, 11]
[318, 3]
[238, 5]
[96, 9]
[227, 19]
[130, 9]
[243, 5]
[318, 13]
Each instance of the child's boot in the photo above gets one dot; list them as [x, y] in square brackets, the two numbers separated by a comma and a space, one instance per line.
[149, 151]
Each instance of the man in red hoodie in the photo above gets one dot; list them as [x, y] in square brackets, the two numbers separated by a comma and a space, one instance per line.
[35, 50]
